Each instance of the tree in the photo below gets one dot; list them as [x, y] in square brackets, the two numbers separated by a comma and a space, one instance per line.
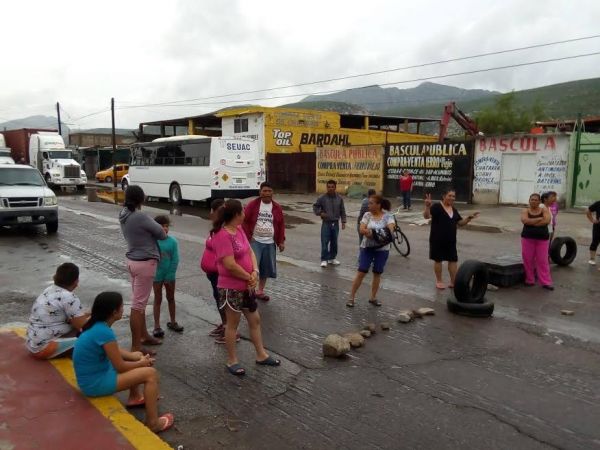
[507, 117]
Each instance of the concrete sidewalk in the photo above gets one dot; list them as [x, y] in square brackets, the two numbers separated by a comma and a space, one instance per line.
[41, 407]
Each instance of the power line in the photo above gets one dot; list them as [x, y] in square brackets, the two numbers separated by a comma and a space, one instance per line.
[463, 58]
[488, 69]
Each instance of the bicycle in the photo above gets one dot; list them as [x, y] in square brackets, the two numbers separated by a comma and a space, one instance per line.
[400, 240]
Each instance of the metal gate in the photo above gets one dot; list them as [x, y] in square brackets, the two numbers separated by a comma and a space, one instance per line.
[293, 172]
[586, 173]
[517, 180]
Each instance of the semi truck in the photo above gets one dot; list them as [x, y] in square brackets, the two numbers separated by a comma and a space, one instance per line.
[45, 150]
[5, 157]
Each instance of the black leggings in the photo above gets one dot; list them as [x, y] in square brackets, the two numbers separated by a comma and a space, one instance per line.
[214, 279]
[595, 237]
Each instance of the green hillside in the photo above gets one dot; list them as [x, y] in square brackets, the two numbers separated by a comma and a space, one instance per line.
[558, 101]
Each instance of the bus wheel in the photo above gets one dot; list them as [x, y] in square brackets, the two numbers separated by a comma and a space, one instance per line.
[175, 194]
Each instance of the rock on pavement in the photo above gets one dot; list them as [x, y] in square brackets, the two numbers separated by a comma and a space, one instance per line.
[356, 339]
[335, 346]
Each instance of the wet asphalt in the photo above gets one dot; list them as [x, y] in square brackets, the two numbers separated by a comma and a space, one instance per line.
[527, 378]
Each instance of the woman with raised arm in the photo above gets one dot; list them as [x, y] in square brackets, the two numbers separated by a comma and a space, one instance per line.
[535, 239]
[445, 219]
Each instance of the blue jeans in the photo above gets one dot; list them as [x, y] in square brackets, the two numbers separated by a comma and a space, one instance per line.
[406, 199]
[329, 239]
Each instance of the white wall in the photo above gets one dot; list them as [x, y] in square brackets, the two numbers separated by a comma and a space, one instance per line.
[551, 152]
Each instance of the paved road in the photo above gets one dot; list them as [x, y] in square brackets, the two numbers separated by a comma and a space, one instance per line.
[526, 379]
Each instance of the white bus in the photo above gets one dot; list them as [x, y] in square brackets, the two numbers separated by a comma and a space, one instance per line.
[197, 167]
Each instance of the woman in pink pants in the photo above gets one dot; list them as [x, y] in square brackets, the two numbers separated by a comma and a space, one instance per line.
[534, 243]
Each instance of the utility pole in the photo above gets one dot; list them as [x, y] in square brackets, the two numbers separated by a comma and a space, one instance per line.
[58, 114]
[114, 141]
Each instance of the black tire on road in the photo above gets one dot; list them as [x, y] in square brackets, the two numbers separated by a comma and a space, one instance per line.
[108, 179]
[485, 309]
[556, 250]
[401, 243]
[471, 282]
[175, 194]
[52, 227]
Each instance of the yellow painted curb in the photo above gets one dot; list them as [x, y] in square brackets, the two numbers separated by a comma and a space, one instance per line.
[110, 407]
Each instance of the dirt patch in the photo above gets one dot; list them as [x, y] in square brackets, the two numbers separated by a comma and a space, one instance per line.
[291, 221]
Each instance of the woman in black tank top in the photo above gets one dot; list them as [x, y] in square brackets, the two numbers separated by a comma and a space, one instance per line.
[534, 243]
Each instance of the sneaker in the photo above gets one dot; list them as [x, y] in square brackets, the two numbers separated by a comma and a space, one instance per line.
[591, 262]
[323, 263]
[334, 262]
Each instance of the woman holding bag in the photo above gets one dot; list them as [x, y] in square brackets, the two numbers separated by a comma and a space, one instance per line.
[376, 228]
[238, 276]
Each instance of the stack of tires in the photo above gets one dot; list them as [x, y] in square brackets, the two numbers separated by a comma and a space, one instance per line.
[470, 287]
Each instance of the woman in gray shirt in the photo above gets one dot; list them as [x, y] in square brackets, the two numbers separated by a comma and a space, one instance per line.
[141, 233]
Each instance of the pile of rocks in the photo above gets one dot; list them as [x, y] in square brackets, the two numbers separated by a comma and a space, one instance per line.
[336, 345]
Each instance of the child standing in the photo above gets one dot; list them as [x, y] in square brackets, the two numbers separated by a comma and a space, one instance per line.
[165, 276]
[549, 201]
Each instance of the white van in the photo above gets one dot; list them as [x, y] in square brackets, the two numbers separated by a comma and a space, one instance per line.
[197, 167]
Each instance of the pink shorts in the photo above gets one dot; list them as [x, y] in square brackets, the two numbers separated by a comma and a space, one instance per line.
[141, 274]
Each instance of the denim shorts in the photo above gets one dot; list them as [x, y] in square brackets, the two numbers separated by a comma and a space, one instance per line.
[372, 257]
[266, 258]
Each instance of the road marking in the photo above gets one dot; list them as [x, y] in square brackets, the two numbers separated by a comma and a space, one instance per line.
[110, 407]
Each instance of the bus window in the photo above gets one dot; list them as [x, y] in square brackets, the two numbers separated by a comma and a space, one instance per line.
[198, 153]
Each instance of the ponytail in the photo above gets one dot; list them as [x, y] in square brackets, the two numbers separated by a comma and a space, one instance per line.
[105, 304]
[225, 214]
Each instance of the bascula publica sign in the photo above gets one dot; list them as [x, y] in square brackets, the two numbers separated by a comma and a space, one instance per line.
[361, 164]
[434, 167]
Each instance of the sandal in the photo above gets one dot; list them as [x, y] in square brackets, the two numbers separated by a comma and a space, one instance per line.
[147, 351]
[158, 333]
[375, 302]
[350, 303]
[151, 342]
[217, 331]
[174, 326]
[440, 286]
[221, 339]
[168, 422]
[262, 297]
[136, 403]
[269, 361]
[236, 369]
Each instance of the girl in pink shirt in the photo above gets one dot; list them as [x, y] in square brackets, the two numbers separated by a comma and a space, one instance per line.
[238, 275]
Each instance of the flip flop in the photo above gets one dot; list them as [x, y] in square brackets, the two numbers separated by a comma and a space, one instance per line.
[217, 331]
[151, 342]
[269, 361]
[236, 369]
[375, 302]
[440, 286]
[350, 304]
[136, 403]
[450, 286]
[168, 422]
[221, 339]
[262, 297]
[147, 351]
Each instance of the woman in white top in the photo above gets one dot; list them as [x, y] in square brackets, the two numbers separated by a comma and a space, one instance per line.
[376, 228]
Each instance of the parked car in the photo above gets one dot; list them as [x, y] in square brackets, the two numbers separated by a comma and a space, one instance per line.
[125, 182]
[107, 174]
[25, 199]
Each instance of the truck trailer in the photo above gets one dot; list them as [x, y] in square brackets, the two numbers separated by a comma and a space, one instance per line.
[45, 150]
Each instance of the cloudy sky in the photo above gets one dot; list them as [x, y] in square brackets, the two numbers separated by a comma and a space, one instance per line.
[146, 52]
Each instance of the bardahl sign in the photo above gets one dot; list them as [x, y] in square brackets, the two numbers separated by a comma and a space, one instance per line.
[434, 168]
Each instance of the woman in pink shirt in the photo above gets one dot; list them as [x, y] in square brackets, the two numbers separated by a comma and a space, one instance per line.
[238, 275]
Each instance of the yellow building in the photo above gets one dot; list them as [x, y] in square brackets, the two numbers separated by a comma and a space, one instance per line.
[290, 130]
